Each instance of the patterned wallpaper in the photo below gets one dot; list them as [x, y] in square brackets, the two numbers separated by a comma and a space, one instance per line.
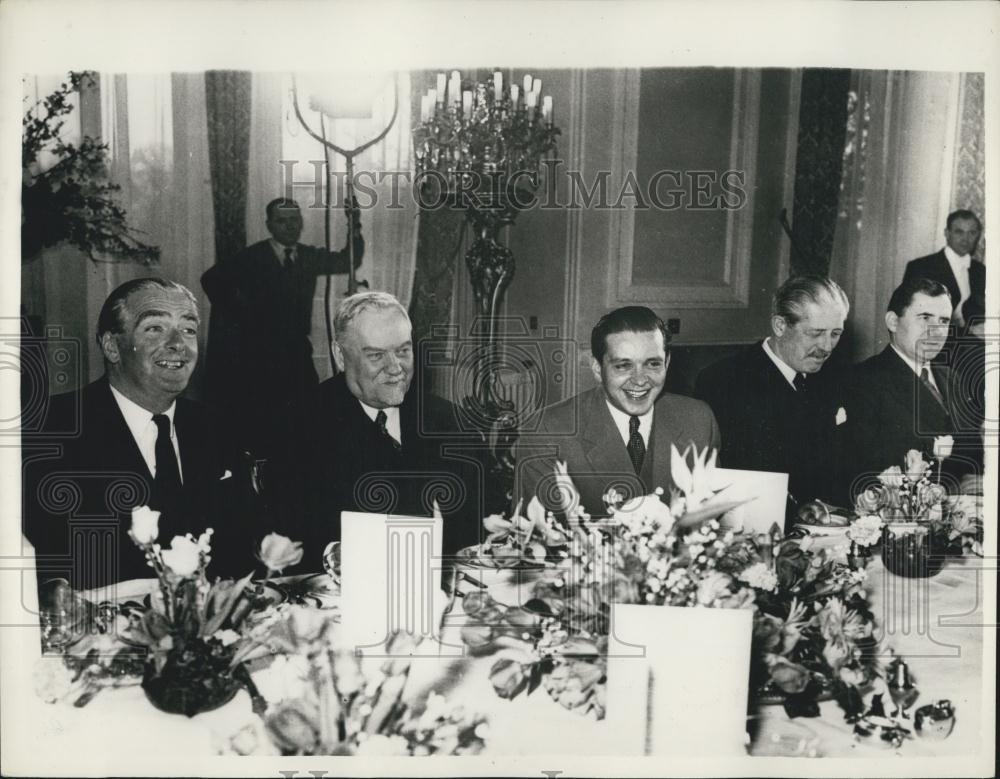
[969, 186]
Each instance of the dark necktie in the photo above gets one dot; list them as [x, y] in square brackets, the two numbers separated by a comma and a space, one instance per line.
[636, 447]
[380, 421]
[289, 257]
[800, 382]
[925, 378]
[167, 482]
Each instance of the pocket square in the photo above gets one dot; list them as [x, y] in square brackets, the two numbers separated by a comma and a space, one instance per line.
[228, 474]
[841, 415]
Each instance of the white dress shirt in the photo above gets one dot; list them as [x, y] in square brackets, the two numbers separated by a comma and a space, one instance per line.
[279, 251]
[622, 422]
[391, 419]
[916, 368]
[144, 431]
[786, 370]
[960, 268]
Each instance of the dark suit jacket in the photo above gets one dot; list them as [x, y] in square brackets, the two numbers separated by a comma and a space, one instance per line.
[767, 425]
[83, 474]
[889, 412]
[259, 353]
[581, 432]
[346, 464]
[936, 266]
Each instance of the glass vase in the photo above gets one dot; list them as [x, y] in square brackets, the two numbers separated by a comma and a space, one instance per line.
[195, 677]
[912, 550]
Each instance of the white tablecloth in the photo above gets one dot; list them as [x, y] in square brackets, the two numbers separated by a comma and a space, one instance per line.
[934, 623]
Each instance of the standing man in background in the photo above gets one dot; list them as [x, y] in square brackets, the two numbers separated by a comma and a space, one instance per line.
[953, 266]
[260, 361]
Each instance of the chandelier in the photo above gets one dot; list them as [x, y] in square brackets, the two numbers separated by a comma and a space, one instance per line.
[485, 138]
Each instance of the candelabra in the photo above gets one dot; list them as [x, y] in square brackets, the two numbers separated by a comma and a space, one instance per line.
[483, 145]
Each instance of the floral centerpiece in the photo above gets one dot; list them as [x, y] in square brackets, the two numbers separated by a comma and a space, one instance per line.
[812, 627]
[192, 626]
[321, 699]
[917, 522]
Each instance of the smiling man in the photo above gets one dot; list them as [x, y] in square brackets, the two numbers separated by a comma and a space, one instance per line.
[618, 434]
[777, 407]
[373, 442]
[128, 439]
[901, 399]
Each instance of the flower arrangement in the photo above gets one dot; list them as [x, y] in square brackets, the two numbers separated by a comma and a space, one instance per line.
[812, 627]
[909, 501]
[72, 200]
[192, 630]
[324, 700]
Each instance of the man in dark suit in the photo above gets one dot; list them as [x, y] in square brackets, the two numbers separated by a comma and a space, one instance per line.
[617, 435]
[259, 353]
[953, 266]
[900, 400]
[129, 440]
[778, 409]
[375, 443]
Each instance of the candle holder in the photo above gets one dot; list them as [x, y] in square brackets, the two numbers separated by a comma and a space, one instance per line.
[484, 144]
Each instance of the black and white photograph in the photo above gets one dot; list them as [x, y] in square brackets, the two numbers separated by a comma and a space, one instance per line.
[500, 388]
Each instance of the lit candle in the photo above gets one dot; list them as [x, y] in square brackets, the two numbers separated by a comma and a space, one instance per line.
[531, 99]
[547, 109]
[515, 92]
[537, 86]
[455, 88]
[467, 104]
[497, 84]
[527, 84]
[440, 86]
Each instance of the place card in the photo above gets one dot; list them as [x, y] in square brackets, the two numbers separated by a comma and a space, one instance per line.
[678, 680]
[765, 493]
[390, 580]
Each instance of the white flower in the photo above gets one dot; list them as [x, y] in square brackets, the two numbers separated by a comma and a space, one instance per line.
[943, 444]
[53, 680]
[866, 530]
[286, 678]
[694, 482]
[226, 636]
[760, 576]
[145, 525]
[183, 557]
[646, 515]
[278, 552]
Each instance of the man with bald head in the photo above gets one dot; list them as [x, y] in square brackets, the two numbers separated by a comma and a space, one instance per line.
[778, 408]
[128, 439]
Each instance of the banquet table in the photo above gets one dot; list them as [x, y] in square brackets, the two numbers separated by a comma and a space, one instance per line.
[935, 624]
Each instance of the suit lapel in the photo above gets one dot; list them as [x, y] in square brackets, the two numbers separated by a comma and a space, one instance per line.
[945, 272]
[602, 442]
[119, 443]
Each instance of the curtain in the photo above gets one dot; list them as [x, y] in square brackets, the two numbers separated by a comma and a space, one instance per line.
[155, 125]
[819, 157]
[969, 186]
[227, 98]
[896, 190]
[286, 158]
